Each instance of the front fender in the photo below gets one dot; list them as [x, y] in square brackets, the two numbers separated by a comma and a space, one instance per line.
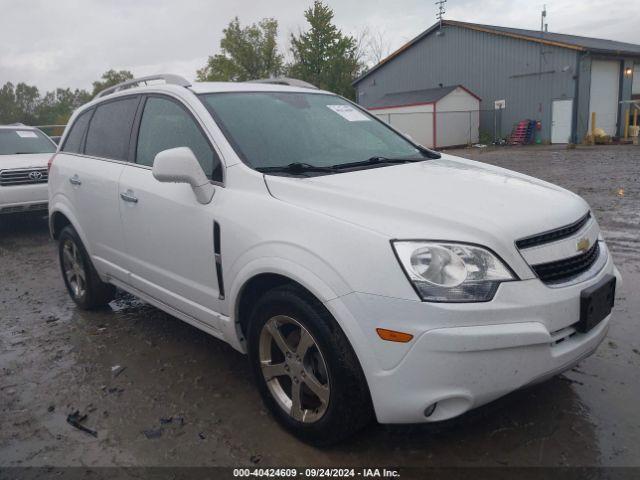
[317, 277]
[291, 261]
[286, 268]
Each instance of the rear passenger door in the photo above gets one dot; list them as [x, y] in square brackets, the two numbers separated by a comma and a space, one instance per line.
[94, 158]
[168, 234]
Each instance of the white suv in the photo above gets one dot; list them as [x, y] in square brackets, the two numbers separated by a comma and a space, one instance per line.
[362, 273]
[24, 154]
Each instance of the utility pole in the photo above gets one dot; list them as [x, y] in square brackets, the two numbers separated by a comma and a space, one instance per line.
[441, 11]
[543, 17]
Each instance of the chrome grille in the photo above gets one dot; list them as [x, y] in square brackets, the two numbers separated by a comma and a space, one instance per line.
[23, 176]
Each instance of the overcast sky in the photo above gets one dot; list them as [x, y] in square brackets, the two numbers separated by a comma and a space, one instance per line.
[69, 43]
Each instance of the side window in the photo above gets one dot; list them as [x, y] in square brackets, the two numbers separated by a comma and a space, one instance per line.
[164, 125]
[73, 143]
[110, 129]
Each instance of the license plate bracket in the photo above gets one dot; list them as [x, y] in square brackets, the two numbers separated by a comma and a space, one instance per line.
[596, 303]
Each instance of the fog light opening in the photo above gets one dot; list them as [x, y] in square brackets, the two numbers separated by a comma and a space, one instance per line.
[430, 409]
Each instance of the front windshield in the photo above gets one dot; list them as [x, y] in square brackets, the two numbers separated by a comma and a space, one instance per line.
[273, 129]
[18, 141]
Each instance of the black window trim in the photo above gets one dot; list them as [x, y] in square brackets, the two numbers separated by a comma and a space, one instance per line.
[94, 108]
[83, 140]
[133, 146]
[89, 111]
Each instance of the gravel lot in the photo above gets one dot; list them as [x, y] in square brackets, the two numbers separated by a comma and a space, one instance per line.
[184, 398]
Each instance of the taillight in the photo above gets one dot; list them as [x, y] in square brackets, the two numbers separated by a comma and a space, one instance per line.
[50, 162]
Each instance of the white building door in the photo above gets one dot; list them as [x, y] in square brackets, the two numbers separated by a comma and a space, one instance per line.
[561, 116]
[605, 82]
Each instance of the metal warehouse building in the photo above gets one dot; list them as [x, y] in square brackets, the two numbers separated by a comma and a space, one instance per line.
[556, 79]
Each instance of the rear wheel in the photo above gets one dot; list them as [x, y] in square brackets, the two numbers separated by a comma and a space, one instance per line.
[80, 277]
[307, 372]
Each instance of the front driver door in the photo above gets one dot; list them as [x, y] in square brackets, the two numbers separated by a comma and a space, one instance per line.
[168, 234]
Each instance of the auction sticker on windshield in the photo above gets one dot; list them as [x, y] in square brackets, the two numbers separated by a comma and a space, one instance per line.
[349, 113]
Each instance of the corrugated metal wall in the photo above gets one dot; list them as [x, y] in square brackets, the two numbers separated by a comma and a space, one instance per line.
[493, 67]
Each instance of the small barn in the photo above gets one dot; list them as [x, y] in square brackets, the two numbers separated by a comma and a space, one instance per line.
[435, 117]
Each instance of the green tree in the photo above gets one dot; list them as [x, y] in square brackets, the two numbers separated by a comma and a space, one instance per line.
[18, 103]
[8, 111]
[56, 107]
[109, 79]
[323, 55]
[246, 53]
[23, 103]
[27, 98]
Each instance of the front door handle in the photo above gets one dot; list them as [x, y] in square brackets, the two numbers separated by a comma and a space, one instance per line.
[75, 180]
[128, 196]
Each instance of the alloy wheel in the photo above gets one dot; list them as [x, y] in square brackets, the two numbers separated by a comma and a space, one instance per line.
[294, 369]
[73, 267]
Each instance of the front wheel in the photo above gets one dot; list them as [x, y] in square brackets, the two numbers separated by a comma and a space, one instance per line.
[307, 373]
[80, 277]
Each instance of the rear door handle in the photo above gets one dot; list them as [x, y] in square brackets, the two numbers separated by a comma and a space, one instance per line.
[75, 180]
[128, 196]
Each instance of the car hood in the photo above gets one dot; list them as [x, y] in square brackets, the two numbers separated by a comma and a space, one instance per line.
[449, 198]
[25, 160]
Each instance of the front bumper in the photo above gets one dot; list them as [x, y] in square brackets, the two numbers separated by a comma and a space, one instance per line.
[465, 355]
[24, 198]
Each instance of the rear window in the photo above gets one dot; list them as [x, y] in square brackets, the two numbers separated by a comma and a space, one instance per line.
[110, 129]
[73, 143]
[16, 142]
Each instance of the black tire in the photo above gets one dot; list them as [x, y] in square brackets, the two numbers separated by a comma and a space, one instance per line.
[349, 408]
[96, 293]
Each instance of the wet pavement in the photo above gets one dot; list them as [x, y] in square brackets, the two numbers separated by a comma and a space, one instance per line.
[180, 397]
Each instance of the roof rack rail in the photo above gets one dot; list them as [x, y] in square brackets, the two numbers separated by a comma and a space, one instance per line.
[167, 77]
[292, 82]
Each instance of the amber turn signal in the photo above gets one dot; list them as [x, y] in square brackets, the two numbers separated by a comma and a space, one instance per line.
[393, 336]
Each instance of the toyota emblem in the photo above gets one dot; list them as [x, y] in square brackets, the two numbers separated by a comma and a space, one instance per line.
[35, 175]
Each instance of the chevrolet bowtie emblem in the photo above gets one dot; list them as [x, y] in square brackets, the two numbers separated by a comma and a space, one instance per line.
[582, 245]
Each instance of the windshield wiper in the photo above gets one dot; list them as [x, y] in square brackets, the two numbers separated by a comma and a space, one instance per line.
[296, 168]
[428, 153]
[375, 161]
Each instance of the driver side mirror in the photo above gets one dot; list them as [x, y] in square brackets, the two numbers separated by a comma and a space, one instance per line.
[180, 165]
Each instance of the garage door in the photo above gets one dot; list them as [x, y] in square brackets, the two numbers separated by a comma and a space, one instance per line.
[605, 80]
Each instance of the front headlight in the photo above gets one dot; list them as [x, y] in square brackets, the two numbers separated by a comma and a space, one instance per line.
[451, 272]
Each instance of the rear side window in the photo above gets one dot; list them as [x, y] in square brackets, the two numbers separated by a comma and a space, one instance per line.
[110, 129]
[165, 124]
[73, 143]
